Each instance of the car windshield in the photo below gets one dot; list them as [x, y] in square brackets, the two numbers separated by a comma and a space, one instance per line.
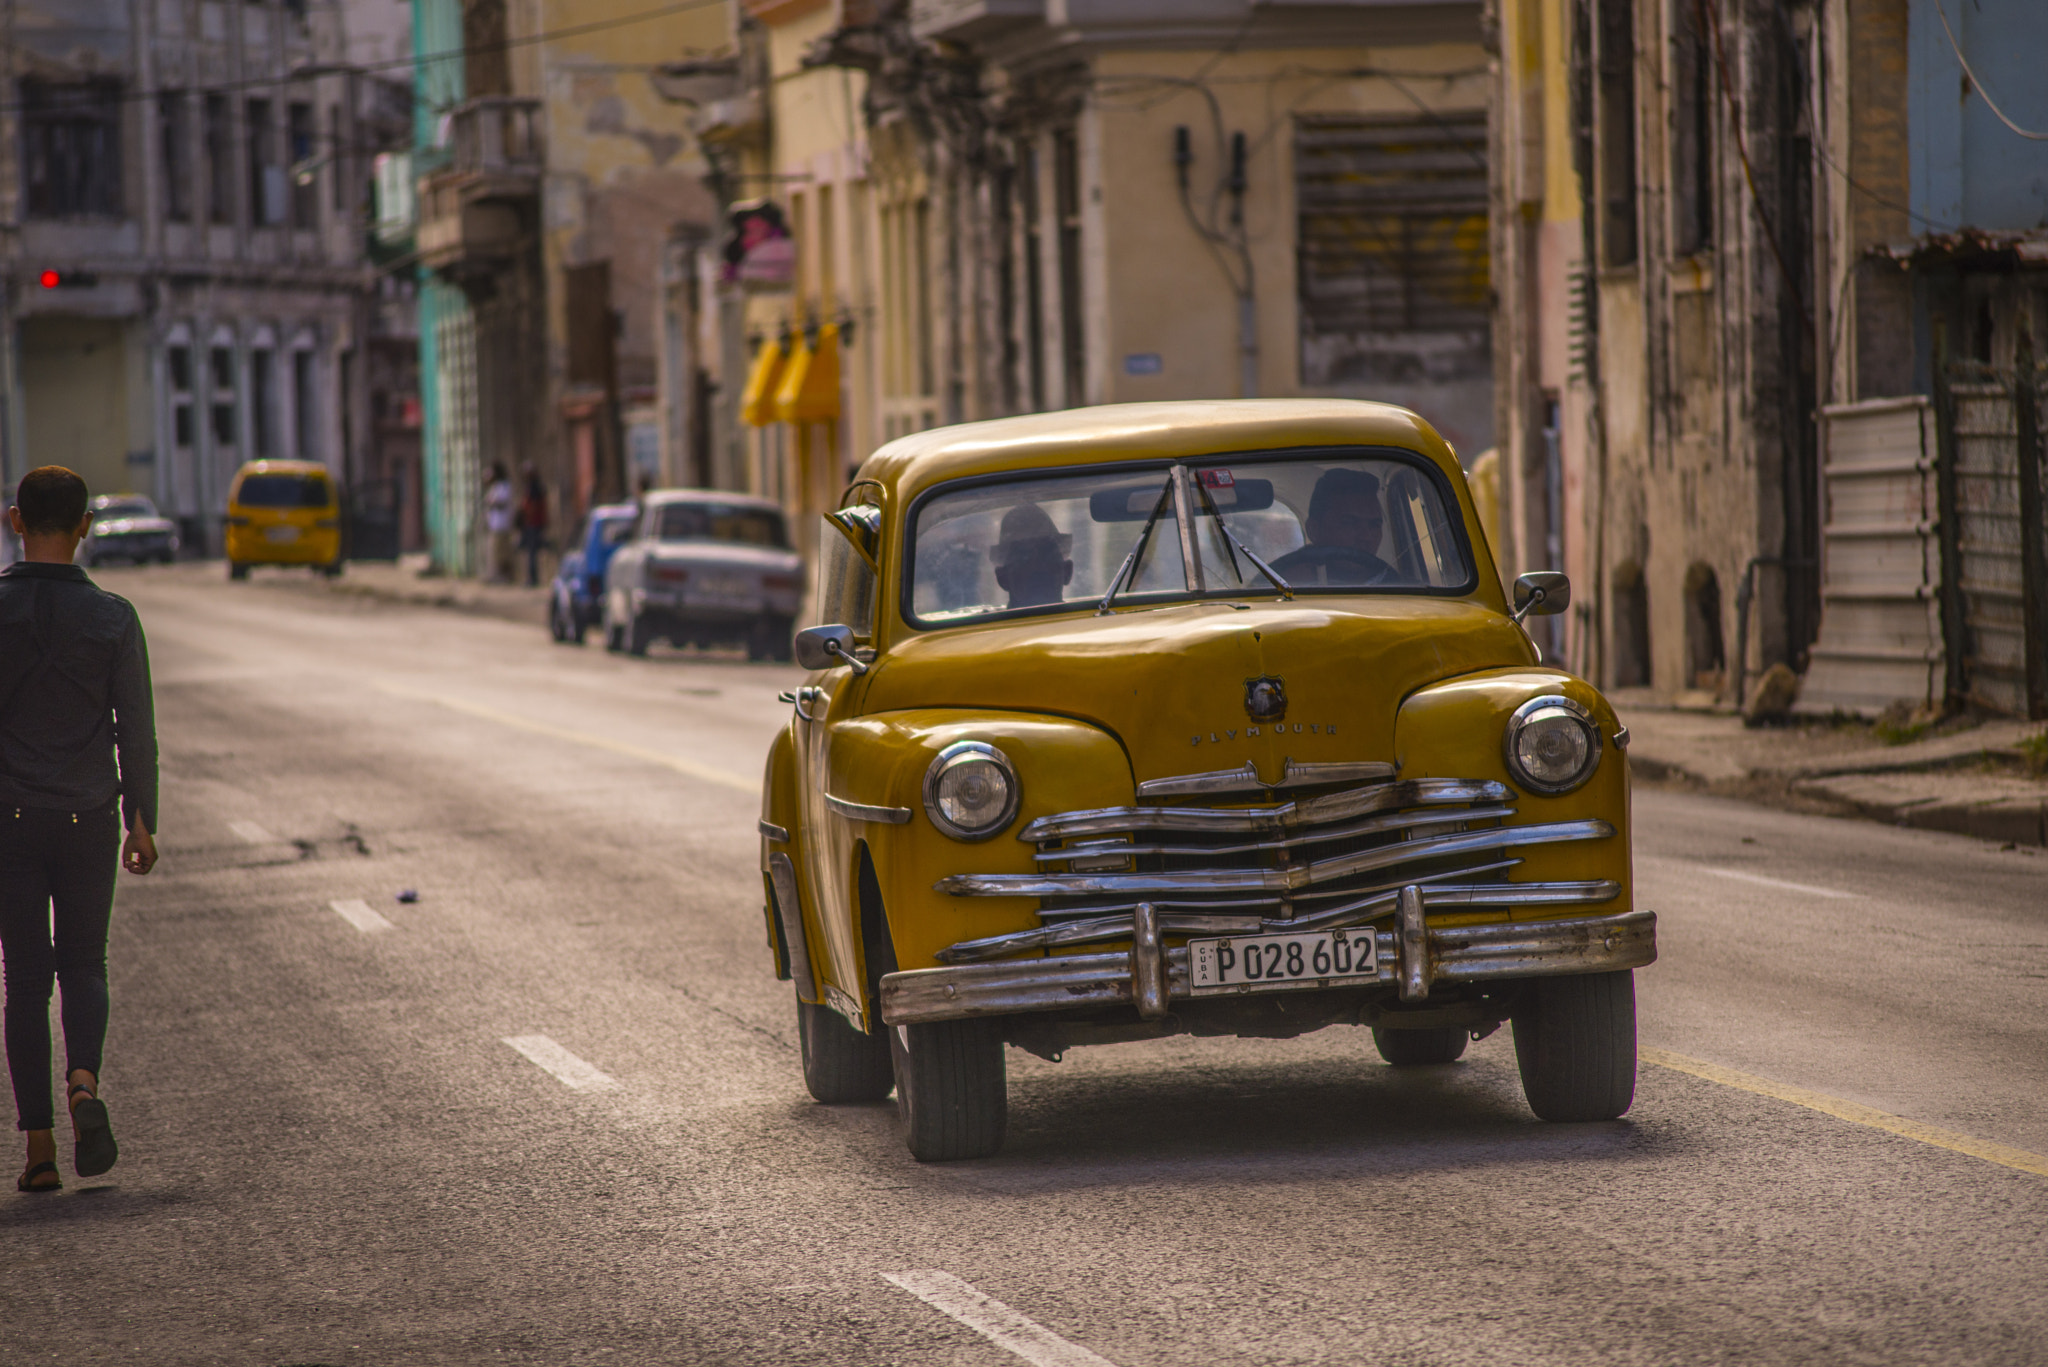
[124, 507]
[728, 522]
[282, 491]
[1336, 521]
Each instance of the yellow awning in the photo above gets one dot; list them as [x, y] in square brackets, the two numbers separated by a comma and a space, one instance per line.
[757, 400]
[809, 391]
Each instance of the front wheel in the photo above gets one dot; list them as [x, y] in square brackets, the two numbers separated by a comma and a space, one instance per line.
[1414, 1048]
[1575, 1039]
[639, 635]
[237, 570]
[842, 1066]
[951, 1091]
[332, 571]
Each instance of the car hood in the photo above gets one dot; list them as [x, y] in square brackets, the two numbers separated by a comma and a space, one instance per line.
[133, 526]
[1172, 683]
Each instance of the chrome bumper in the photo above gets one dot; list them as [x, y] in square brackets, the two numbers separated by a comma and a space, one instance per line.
[1150, 975]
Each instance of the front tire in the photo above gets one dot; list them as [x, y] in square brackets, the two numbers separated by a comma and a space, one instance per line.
[1575, 1040]
[951, 1090]
[1417, 1048]
[639, 635]
[237, 570]
[842, 1066]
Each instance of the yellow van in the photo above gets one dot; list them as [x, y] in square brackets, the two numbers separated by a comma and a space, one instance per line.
[283, 512]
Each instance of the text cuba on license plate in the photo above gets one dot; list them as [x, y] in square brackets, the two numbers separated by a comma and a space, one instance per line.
[1267, 960]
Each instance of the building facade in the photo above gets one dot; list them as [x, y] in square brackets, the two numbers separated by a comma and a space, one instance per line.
[1740, 250]
[181, 250]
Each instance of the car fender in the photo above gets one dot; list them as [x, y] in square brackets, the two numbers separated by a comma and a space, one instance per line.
[880, 761]
[1455, 729]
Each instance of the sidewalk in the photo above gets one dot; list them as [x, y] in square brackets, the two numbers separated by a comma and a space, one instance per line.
[1968, 776]
[402, 582]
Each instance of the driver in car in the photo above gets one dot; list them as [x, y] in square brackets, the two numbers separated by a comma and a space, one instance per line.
[1031, 557]
[1344, 526]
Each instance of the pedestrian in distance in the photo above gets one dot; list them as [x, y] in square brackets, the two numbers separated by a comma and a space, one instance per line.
[77, 768]
[499, 515]
[533, 524]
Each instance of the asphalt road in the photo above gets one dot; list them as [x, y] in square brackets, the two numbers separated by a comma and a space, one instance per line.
[331, 1155]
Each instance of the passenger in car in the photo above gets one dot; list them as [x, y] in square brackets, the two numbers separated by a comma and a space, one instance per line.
[1344, 526]
[1031, 557]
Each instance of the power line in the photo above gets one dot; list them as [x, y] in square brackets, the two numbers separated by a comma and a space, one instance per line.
[1978, 85]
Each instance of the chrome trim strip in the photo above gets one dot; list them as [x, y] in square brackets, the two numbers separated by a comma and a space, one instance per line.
[1510, 949]
[789, 908]
[1211, 905]
[1357, 802]
[860, 811]
[1383, 902]
[774, 832]
[1271, 880]
[1398, 821]
[1247, 780]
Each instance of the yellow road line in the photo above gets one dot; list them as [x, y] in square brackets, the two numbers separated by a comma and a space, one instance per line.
[2002, 1154]
[541, 728]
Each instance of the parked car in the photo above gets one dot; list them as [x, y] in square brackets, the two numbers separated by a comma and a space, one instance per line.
[1204, 718]
[283, 512]
[576, 598]
[704, 568]
[128, 527]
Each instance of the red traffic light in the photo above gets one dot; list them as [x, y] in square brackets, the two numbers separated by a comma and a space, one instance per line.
[51, 279]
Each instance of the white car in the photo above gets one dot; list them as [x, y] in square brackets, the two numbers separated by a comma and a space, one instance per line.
[704, 568]
[128, 527]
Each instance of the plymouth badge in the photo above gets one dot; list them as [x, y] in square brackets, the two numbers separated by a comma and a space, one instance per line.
[1265, 698]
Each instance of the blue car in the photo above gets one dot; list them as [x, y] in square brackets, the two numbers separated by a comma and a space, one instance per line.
[577, 600]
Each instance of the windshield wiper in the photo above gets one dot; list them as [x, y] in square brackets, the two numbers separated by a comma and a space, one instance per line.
[1130, 561]
[1230, 539]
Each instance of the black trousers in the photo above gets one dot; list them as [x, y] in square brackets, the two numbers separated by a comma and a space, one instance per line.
[56, 896]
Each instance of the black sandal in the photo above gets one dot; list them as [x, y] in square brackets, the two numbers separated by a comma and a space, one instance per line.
[27, 1181]
[96, 1149]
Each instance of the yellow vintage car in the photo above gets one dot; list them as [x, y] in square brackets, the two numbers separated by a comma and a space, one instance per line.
[1206, 717]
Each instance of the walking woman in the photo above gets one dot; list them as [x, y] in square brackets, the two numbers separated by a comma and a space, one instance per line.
[74, 699]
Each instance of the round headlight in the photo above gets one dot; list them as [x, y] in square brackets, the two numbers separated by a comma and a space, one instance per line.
[971, 790]
[1552, 744]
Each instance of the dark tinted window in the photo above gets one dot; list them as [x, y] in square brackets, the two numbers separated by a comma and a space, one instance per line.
[283, 491]
[720, 522]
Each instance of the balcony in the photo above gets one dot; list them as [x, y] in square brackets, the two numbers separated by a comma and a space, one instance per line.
[477, 205]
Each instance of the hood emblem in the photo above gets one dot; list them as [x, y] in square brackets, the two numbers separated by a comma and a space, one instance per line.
[1265, 698]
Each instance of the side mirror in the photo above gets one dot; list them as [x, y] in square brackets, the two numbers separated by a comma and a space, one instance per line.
[827, 648]
[1542, 593]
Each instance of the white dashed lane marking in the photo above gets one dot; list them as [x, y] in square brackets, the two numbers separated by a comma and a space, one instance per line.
[357, 913]
[253, 833]
[994, 1321]
[569, 1070]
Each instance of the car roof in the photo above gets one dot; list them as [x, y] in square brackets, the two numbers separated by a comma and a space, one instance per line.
[1138, 431]
[663, 497]
[615, 510]
[282, 467]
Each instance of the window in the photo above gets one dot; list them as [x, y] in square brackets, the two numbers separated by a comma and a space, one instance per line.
[174, 133]
[1066, 188]
[223, 424]
[266, 177]
[725, 522]
[1391, 224]
[220, 194]
[1616, 66]
[305, 407]
[846, 586]
[220, 364]
[305, 179]
[284, 491]
[178, 371]
[262, 404]
[1346, 521]
[222, 360]
[1692, 111]
[71, 148]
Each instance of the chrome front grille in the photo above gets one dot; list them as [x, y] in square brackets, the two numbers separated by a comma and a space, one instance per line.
[1337, 858]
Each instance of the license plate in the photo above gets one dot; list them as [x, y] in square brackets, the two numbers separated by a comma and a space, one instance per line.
[1305, 959]
[279, 536]
[725, 587]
